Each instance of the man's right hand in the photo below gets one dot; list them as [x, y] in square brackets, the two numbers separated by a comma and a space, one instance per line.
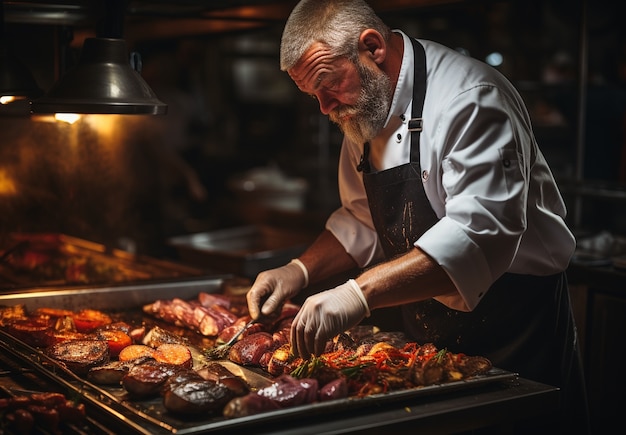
[272, 288]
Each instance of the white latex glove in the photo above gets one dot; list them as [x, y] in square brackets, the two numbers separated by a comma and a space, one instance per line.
[272, 288]
[325, 315]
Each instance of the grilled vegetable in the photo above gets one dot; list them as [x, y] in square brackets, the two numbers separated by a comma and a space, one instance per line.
[88, 320]
[174, 354]
[135, 351]
[117, 340]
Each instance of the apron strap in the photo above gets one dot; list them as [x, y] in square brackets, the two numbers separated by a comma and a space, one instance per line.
[419, 94]
[416, 121]
[364, 163]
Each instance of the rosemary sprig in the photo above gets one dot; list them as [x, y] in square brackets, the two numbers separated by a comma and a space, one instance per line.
[440, 355]
[307, 368]
[350, 372]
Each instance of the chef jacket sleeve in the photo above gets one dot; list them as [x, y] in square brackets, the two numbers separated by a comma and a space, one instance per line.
[483, 141]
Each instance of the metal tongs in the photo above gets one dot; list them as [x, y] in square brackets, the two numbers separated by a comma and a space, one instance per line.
[219, 352]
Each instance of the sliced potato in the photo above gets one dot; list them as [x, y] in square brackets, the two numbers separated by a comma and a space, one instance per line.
[175, 354]
[135, 351]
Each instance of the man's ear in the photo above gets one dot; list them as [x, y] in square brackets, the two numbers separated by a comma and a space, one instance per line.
[372, 42]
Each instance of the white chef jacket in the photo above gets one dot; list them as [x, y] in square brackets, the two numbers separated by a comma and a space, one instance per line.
[498, 205]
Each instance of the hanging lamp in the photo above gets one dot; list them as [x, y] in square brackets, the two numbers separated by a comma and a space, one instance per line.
[16, 80]
[106, 79]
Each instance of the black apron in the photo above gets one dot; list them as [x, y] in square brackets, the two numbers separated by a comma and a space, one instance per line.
[523, 324]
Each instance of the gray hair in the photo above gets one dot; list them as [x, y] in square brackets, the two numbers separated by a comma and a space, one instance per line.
[336, 23]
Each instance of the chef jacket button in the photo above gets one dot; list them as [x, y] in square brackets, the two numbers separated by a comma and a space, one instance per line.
[402, 118]
[398, 138]
[424, 175]
[506, 163]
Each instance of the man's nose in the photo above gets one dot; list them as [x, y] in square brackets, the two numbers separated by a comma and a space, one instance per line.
[327, 104]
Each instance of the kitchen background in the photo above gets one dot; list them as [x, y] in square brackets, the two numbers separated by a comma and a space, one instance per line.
[240, 145]
[135, 181]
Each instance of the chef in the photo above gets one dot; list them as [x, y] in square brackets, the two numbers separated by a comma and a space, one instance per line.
[447, 204]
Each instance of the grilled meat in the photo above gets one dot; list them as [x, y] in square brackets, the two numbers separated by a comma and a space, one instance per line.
[288, 391]
[249, 350]
[282, 361]
[111, 373]
[250, 404]
[210, 299]
[47, 410]
[157, 336]
[335, 389]
[285, 392]
[80, 356]
[207, 320]
[186, 392]
[218, 373]
[36, 331]
[227, 333]
[147, 378]
[211, 320]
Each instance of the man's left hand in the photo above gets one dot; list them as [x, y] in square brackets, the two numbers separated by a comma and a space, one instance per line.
[325, 315]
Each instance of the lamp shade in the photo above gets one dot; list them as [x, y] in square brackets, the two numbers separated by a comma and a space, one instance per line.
[16, 80]
[102, 82]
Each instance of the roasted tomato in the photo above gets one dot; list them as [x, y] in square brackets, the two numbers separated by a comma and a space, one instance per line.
[87, 320]
[116, 339]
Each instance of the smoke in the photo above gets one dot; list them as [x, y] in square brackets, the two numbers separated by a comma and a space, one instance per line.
[90, 179]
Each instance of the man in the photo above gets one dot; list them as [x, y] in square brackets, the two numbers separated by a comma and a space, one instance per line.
[447, 202]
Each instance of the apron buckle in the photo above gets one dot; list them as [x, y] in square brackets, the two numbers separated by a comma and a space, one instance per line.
[415, 124]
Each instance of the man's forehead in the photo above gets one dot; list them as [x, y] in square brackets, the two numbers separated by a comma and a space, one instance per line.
[314, 61]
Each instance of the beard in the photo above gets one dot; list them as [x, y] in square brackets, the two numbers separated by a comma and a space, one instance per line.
[362, 121]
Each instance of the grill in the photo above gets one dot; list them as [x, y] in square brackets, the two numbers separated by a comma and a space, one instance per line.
[111, 404]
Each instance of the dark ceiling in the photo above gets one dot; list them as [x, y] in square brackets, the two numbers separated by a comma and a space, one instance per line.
[77, 12]
[144, 19]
